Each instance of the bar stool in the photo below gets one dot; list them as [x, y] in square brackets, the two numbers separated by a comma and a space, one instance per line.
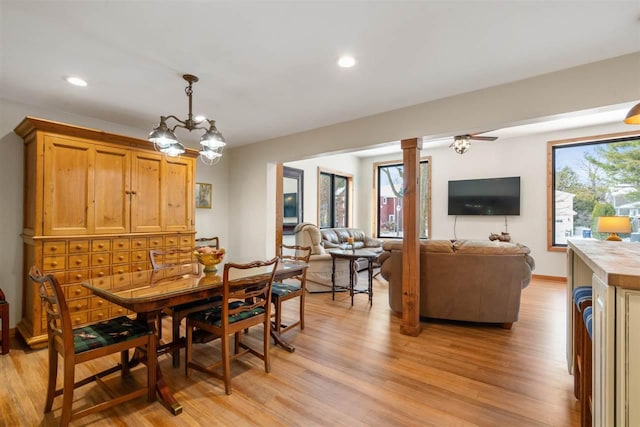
[586, 385]
[582, 298]
[4, 320]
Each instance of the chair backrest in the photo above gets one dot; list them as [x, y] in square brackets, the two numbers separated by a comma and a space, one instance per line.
[250, 283]
[214, 242]
[295, 253]
[170, 257]
[58, 317]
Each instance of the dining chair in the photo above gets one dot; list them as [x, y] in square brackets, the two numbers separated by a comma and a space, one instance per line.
[174, 262]
[214, 242]
[87, 343]
[4, 323]
[282, 292]
[246, 302]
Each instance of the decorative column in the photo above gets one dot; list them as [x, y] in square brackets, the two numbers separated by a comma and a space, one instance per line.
[410, 238]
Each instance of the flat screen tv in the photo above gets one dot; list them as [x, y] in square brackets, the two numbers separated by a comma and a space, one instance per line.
[494, 196]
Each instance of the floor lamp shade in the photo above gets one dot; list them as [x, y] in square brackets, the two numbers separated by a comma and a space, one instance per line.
[614, 225]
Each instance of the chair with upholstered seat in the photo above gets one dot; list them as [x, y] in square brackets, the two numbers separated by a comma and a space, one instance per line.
[173, 262]
[285, 291]
[586, 386]
[4, 323]
[246, 302]
[88, 343]
[582, 296]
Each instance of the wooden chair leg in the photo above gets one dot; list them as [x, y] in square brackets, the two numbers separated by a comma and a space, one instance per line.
[226, 368]
[175, 337]
[577, 352]
[302, 309]
[53, 377]
[187, 349]
[152, 368]
[67, 392]
[278, 323]
[4, 316]
[266, 342]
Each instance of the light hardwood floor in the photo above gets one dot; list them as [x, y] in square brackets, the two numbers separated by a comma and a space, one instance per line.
[351, 367]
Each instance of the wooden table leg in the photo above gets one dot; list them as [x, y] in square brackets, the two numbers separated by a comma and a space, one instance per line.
[333, 278]
[352, 272]
[370, 268]
[166, 397]
[277, 338]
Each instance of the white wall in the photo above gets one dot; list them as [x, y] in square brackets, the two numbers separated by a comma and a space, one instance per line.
[208, 221]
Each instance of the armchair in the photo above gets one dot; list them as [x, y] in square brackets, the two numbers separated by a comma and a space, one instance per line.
[320, 263]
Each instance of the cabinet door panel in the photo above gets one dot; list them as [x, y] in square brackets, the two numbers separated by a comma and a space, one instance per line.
[179, 186]
[146, 199]
[112, 169]
[68, 187]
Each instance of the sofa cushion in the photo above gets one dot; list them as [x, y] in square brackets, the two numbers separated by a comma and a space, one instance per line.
[488, 247]
[330, 235]
[437, 246]
[358, 235]
[343, 234]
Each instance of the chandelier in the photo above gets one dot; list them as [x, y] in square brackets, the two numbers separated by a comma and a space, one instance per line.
[461, 144]
[211, 143]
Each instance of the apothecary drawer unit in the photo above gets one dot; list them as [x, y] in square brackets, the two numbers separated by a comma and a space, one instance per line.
[94, 204]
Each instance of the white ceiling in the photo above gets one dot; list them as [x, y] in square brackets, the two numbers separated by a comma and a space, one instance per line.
[268, 68]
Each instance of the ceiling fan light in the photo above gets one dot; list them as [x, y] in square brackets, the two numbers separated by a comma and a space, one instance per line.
[461, 144]
[633, 116]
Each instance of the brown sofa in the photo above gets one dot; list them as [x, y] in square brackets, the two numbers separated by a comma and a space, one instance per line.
[468, 280]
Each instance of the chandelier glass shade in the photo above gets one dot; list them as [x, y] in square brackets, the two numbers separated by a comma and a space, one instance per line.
[461, 144]
[165, 141]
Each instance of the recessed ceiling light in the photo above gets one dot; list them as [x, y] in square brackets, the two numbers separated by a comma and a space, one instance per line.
[199, 118]
[346, 61]
[76, 81]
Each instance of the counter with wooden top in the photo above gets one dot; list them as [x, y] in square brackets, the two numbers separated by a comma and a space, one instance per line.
[613, 271]
[615, 263]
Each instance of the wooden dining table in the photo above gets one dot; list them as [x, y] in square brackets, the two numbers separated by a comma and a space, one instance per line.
[148, 293]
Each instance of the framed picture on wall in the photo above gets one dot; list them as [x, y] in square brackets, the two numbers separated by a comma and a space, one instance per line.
[203, 195]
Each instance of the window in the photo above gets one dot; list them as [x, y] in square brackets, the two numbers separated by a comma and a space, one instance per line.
[389, 180]
[592, 177]
[334, 199]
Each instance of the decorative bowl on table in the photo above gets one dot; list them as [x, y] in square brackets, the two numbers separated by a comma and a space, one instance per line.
[209, 257]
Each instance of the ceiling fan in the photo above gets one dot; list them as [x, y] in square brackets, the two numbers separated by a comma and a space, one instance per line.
[461, 143]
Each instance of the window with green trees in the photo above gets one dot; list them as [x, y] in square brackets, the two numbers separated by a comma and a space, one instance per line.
[389, 183]
[598, 177]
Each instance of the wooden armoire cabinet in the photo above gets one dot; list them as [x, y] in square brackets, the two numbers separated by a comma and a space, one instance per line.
[95, 203]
